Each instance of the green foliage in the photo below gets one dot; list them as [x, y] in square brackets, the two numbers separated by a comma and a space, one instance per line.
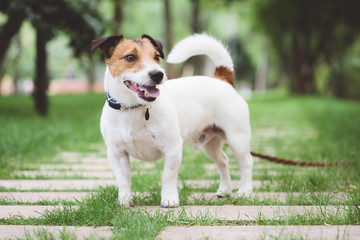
[79, 20]
[305, 34]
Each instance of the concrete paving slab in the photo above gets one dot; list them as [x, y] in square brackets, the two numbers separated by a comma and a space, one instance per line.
[18, 231]
[87, 160]
[32, 197]
[65, 174]
[87, 184]
[73, 157]
[76, 166]
[261, 232]
[89, 165]
[235, 167]
[256, 174]
[279, 196]
[24, 211]
[244, 213]
[209, 183]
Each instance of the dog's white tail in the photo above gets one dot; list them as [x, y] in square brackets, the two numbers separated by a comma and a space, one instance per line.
[203, 44]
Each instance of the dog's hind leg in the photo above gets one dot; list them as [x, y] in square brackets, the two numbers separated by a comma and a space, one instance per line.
[245, 161]
[213, 150]
[246, 164]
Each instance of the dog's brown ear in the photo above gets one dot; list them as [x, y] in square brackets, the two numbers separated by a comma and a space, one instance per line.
[157, 44]
[107, 45]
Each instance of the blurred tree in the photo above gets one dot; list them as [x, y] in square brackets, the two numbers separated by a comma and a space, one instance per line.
[15, 62]
[196, 24]
[306, 33]
[262, 70]
[41, 81]
[168, 26]
[244, 69]
[119, 15]
[79, 19]
[15, 11]
[171, 70]
[196, 27]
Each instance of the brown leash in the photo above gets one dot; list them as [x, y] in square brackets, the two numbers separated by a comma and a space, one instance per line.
[297, 163]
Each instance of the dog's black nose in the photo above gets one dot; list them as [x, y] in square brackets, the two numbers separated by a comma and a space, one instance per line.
[156, 76]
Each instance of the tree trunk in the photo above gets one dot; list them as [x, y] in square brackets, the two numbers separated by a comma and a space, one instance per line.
[91, 72]
[262, 70]
[10, 28]
[41, 75]
[168, 29]
[119, 15]
[171, 71]
[303, 81]
[16, 64]
[196, 24]
[196, 27]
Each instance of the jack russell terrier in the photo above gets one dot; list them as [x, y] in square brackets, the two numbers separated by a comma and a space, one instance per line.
[148, 117]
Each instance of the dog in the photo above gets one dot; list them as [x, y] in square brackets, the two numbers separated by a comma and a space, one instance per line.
[149, 117]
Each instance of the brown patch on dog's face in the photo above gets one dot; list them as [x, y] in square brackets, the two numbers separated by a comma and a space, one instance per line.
[131, 56]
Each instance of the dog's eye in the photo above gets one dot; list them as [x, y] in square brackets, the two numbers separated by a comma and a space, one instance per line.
[157, 57]
[130, 58]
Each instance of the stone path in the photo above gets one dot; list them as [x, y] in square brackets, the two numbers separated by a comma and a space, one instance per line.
[225, 212]
[18, 231]
[25, 211]
[18, 197]
[33, 197]
[89, 184]
[261, 232]
[279, 196]
[245, 213]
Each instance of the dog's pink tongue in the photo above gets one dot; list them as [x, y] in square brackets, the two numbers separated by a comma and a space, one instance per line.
[151, 91]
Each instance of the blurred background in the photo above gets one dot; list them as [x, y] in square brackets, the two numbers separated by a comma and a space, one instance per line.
[305, 47]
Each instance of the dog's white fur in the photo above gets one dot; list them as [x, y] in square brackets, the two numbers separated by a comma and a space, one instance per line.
[199, 109]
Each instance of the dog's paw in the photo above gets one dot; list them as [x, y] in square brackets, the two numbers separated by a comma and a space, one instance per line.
[244, 191]
[125, 199]
[223, 192]
[169, 203]
[170, 200]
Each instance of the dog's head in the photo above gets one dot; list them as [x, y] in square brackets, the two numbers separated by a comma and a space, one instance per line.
[133, 64]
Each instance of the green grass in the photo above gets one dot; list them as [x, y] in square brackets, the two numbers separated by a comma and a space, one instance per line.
[102, 209]
[72, 124]
[304, 128]
[43, 234]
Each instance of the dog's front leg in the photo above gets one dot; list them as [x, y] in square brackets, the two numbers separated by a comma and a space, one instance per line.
[169, 191]
[120, 163]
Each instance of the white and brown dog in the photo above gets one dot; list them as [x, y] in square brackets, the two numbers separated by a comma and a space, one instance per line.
[150, 118]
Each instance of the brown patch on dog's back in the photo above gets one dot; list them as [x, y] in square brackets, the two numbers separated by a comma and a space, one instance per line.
[225, 74]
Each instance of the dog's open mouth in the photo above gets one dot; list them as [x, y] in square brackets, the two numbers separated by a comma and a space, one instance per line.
[148, 93]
